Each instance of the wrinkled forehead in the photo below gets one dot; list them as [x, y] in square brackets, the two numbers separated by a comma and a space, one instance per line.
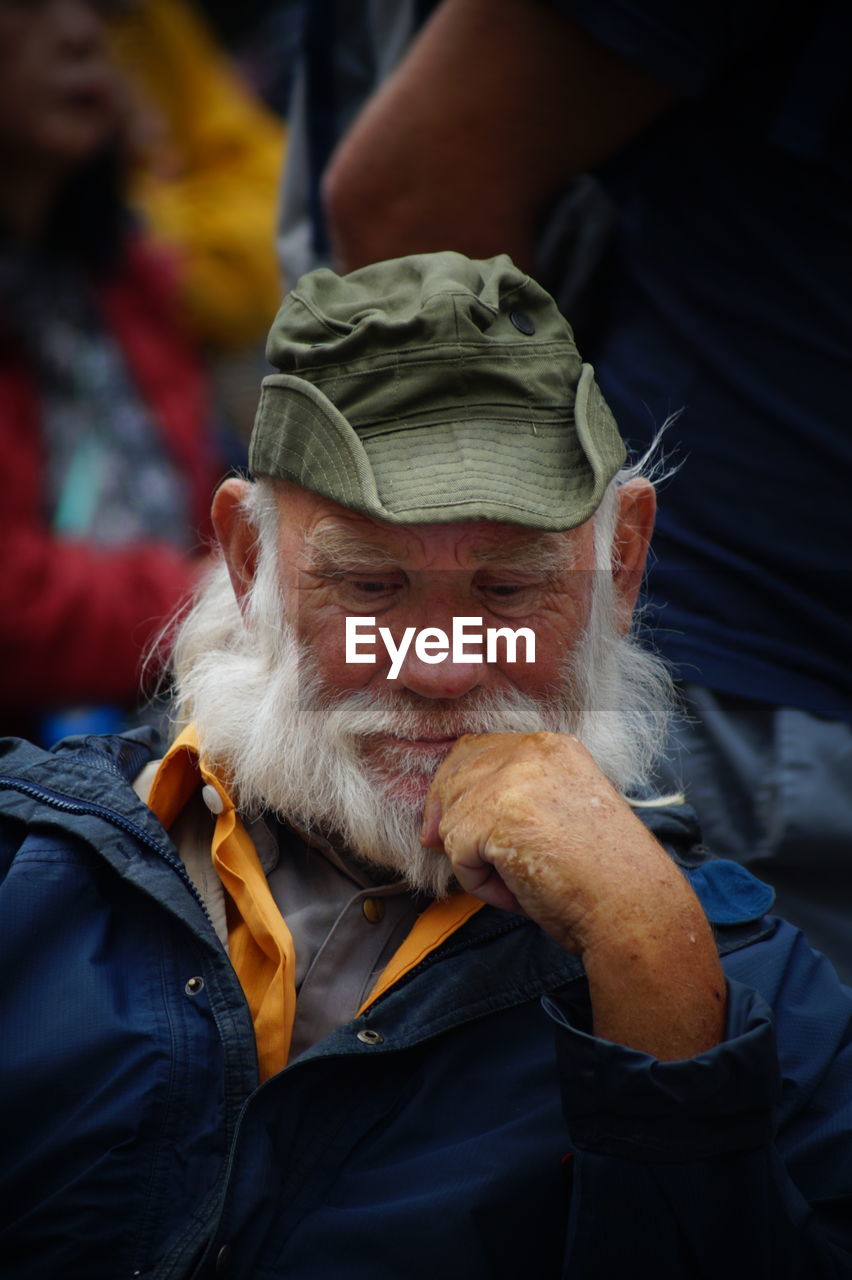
[329, 534]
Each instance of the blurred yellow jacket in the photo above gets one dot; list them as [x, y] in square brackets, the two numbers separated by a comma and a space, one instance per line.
[208, 161]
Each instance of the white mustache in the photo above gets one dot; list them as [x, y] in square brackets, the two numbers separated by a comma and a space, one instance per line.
[364, 715]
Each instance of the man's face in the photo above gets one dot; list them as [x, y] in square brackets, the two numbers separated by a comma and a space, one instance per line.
[339, 747]
[336, 565]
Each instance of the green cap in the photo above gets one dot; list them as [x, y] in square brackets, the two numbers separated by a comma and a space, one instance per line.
[434, 388]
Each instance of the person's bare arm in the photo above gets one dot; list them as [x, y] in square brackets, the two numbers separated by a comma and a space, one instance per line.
[495, 106]
[530, 823]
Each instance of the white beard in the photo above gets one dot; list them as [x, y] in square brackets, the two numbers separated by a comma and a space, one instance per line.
[287, 745]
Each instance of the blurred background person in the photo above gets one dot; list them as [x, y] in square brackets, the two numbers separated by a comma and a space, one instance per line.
[721, 135]
[108, 457]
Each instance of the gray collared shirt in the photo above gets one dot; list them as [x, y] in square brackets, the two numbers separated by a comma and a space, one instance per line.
[345, 925]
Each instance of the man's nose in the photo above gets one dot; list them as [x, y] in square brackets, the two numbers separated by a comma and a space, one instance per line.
[438, 679]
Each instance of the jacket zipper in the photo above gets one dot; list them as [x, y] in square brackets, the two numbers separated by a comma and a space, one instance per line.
[64, 804]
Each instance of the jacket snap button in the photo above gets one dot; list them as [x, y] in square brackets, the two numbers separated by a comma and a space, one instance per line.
[193, 986]
[212, 799]
[369, 1036]
[223, 1262]
[374, 910]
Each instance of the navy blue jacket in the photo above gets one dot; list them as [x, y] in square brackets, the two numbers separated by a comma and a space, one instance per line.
[468, 1125]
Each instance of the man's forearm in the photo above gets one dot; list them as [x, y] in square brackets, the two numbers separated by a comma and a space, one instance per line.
[659, 990]
[497, 104]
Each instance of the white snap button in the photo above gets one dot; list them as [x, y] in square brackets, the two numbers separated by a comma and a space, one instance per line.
[212, 799]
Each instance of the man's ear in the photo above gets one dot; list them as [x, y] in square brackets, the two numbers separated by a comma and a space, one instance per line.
[236, 534]
[636, 511]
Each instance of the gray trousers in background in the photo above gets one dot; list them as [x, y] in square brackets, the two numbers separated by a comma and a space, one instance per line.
[772, 787]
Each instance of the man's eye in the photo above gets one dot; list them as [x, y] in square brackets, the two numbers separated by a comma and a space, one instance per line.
[508, 597]
[370, 587]
[374, 586]
[507, 592]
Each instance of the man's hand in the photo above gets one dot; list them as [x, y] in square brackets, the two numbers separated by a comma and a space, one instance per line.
[530, 823]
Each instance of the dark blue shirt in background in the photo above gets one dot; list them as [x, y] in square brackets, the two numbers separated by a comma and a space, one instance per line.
[732, 302]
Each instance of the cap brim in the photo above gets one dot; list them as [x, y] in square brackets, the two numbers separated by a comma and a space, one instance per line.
[545, 473]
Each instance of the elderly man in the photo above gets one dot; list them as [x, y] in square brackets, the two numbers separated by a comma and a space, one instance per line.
[376, 972]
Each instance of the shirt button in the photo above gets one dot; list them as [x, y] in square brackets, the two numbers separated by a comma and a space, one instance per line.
[212, 799]
[374, 909]
[223, 1262]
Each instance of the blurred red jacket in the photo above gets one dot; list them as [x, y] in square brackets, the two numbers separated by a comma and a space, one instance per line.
[76, 618]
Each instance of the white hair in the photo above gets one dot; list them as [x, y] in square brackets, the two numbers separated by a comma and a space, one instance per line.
[624, 686]
[287, 744]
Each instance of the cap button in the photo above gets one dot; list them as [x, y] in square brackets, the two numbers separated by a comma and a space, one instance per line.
[522, 322]
[212, 799]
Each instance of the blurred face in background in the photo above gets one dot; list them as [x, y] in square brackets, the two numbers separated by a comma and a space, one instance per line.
[59, 101]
